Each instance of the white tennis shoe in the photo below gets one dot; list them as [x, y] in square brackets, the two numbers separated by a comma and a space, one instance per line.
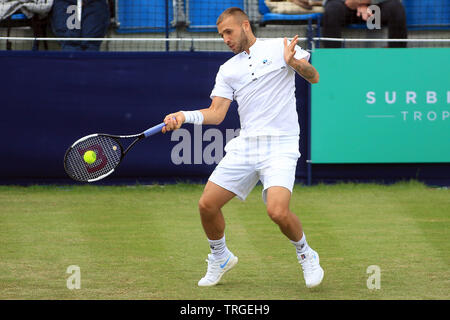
[312, 271]
[216, 269]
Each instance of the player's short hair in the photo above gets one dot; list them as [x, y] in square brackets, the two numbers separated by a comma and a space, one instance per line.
[236, 12]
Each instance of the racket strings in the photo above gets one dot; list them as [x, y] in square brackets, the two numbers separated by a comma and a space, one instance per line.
[108, 155]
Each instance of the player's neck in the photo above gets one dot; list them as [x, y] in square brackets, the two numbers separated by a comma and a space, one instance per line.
[251, 42]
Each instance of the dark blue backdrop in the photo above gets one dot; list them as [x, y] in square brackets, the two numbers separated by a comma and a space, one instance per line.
[50, 99]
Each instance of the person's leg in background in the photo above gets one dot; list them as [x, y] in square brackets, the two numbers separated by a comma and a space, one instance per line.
[336, 15]
[94, 22]
[393, 15]
[63, 25]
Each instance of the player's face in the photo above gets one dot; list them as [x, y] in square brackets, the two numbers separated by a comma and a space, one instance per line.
[233, 34]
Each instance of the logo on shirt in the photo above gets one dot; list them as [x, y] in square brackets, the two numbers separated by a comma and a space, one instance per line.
[266, 62]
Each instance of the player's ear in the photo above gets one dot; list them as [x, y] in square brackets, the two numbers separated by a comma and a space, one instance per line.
[246, 25]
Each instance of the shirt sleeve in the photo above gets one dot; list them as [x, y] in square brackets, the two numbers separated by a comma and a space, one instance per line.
[221, 88]
[301, 54]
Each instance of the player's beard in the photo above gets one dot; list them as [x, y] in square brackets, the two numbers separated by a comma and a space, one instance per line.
[242, 43]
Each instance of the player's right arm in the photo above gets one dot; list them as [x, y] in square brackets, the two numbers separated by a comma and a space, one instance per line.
[212, 115]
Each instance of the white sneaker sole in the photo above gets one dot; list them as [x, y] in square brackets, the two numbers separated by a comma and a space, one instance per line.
[315, 284]
[227, 268]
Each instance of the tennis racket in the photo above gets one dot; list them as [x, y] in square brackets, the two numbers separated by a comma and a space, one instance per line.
[109, 153]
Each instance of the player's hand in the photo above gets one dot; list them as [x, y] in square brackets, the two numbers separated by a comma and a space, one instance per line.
[289, 50]
[173, 121]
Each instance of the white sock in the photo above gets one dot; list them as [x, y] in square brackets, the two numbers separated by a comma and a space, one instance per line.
[219, 248]
[301, 246]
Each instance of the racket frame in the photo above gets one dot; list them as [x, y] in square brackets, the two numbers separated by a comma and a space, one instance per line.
[145, 134]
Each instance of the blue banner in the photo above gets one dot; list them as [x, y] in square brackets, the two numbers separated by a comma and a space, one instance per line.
[51, 99]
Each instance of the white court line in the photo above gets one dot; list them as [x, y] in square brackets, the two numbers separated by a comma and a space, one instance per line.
[216, 39]
[125, 39]
[379, 40]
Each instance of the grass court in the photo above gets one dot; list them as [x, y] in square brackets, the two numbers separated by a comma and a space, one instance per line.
[146, 242]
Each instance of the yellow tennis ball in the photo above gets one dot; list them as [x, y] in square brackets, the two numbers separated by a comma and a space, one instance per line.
[89, 156]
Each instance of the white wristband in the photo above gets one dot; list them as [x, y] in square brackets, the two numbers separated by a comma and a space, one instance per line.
[195, 117]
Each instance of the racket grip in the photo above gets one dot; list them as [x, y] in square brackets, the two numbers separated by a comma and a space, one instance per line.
[153, 130]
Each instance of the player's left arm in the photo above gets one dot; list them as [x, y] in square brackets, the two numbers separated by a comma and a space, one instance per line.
[301, 66]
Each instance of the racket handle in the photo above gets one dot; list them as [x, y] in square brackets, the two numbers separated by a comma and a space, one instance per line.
[153, 130]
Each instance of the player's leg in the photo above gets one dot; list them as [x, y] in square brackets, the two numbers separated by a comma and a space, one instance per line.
[277, 173]
[277, 200]
[234, 176]
[210, 205]
[221, 259]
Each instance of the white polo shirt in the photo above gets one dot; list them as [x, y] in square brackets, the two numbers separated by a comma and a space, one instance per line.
[263, 85]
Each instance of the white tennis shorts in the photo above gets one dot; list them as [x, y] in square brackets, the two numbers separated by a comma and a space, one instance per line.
[269, 159]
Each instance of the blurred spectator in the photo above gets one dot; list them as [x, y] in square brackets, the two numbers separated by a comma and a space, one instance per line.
[339, 13]
[28, 7]
[302, 3]
[294, 6]
[94, 23]
[35, 15]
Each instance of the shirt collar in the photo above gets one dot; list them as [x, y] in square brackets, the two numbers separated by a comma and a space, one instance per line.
[253, 46]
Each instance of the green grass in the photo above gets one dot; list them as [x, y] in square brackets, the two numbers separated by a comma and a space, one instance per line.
[146, 242]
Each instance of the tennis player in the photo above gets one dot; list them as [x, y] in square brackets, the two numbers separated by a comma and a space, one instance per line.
[261, 78]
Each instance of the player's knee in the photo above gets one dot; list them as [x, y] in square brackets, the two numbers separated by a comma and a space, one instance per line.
[206, 206]
[277, 213]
